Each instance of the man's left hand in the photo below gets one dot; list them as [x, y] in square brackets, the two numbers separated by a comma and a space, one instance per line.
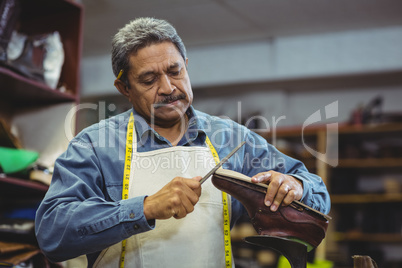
[282, 189]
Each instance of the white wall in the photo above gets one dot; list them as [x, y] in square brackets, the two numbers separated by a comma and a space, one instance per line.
[307, 56]
[298, 56]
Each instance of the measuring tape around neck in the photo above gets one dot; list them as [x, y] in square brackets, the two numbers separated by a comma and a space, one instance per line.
[126, 182]
[126, 176]
[226, 216]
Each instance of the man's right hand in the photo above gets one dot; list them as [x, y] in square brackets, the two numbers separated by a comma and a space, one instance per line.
[176, 199]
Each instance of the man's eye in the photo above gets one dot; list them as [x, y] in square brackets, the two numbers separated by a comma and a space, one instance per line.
[149, 82]
[175, 73]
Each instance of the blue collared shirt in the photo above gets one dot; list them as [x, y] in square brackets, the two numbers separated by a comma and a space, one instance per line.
[83, 212]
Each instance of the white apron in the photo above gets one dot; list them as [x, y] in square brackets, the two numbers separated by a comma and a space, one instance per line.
[196, 240]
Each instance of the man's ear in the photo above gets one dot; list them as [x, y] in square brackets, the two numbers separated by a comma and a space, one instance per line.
[122, 88]
[186, 63]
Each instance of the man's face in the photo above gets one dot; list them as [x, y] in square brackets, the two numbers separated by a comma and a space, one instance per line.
[160, 88]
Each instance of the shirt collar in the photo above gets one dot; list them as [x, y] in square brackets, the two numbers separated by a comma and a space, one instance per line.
[194, 130]
[141, 125]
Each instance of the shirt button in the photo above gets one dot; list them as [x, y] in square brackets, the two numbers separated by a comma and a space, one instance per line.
[136, 226]
[132, 215]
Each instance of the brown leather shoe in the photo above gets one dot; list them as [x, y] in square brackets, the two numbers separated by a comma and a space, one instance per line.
[294, 221]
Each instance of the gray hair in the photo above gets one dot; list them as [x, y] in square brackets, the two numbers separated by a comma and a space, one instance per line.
[138, 34]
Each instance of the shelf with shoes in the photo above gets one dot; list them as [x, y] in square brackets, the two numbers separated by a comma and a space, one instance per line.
[366, 198]
[32, 107]
[367, 237]
[370, 162]
[23, 93]
[365, 185]
[16, 74]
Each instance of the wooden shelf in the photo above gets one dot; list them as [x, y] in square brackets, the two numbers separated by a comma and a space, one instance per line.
[349, 135]
[343, 128]
[18, 92]
[22, 91]
[20, 193]
[362, 237]
[365, 198]
[370, 163]
[65, 17]
[32, 102]
[374, 128]
[22, 183]
[42, 17]
[292, 131]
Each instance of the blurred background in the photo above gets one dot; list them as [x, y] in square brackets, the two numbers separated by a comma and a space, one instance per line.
[320, 79]
[279, 58]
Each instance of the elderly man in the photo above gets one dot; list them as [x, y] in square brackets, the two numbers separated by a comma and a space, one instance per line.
[127, 190]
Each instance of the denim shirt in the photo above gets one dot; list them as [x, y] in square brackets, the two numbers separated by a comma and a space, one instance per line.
[83, 211]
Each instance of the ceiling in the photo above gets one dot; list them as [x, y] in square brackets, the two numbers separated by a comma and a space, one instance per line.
[206, 22]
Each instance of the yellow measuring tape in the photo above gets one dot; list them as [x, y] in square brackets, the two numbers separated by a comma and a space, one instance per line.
[226, 217]
[126, 175]
[126, 181]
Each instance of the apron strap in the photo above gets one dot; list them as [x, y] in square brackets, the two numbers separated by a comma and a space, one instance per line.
[226, 217]
[126, 181]
[126, 176]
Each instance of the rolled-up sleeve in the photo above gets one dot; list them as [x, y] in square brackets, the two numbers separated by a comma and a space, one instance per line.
[77, 215]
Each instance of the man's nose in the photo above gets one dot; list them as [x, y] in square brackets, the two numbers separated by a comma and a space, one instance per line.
[166, 86]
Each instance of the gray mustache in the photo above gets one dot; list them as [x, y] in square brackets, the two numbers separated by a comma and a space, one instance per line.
[168, 99]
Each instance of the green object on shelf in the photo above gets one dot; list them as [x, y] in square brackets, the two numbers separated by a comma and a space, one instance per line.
[15, 160]
[284, 263]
